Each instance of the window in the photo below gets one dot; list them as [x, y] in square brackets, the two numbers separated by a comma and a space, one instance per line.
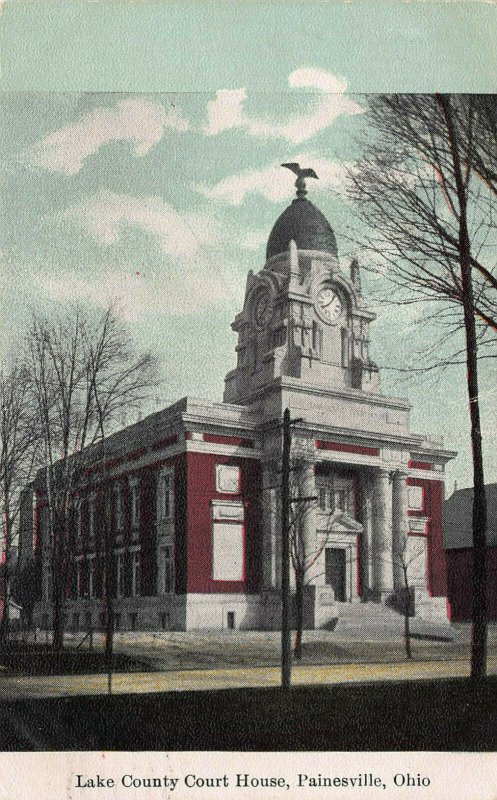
[91, 578]
[165, 495]
[415, 498]
[119, 573]
[333, 500]
[165, 621]
[135, 573]
[118, 507]
[345, 347]
[230, 620]
[83, 591]
[132, 620]
[77, 521]
[340, 500]
[75, 622]
[325, 498]
[135, 504]
[91, 518]
[78, 579]
[227, 479]
[166, 571]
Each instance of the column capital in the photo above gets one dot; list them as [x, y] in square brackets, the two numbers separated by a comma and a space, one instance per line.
[382, 473]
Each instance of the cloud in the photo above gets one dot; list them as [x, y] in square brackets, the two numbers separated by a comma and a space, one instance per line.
[136, 294]
[275, 183]
[188, 270]
[226, 111]
[135, 120]
[106, 216]
[252, 240]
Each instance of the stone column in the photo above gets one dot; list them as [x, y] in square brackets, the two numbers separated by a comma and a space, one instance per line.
[399, 526]
[270, 527]
[382, 536]
[366, 508]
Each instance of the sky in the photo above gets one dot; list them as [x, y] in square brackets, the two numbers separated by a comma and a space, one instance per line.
[162, 199]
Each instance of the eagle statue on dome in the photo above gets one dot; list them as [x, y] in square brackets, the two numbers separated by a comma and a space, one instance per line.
[302, 174]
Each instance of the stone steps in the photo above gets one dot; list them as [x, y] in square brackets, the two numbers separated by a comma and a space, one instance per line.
[377, 621]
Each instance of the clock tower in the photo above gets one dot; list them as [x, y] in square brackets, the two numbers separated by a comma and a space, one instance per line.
[304, 315]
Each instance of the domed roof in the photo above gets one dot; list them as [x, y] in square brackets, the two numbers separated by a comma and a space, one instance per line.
[306, 225]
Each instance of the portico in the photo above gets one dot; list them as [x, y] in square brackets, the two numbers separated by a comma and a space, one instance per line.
[303, 344]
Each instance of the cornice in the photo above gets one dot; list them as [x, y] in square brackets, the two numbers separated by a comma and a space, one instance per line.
[347, 393]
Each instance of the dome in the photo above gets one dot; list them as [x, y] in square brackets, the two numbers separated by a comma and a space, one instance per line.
[306, 225]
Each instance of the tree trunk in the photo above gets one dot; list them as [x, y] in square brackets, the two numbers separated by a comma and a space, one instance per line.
[5, 589]
[479, 629]
[109, 614]
[60, 586]
[58, 590]
[5, 623]
[407, 630]
[58, 618]
[299, 616]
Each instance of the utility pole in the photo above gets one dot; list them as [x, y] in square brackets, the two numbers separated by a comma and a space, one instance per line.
[286, 500]
[286, 644]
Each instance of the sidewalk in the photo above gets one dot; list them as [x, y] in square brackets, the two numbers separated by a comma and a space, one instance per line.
[13, 688]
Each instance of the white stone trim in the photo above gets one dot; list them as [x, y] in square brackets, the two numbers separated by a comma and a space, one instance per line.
[427, 475]
[335, 456]
[418, 524]
[415, 498]
[226, 476]
[222, 449]
[165, 471]
[229, 510]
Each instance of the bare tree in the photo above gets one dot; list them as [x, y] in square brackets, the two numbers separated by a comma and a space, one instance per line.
[82, 380]
[428, 206]
[403, 559]
[305, 550]
[120, 379]
[26, 589]
[18, 450]
[303, 555]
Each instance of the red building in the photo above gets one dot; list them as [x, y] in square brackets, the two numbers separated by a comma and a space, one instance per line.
[192, 493]
[458, 544]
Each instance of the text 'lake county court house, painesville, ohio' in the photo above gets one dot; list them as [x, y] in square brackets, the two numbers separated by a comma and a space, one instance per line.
[196, 528]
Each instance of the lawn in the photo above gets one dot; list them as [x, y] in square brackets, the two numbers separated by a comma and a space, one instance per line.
[439, 715]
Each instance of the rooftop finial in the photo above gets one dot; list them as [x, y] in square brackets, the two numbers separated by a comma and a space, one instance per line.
[301, 174]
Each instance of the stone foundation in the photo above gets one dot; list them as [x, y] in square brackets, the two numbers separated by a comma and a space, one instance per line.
[222, 612]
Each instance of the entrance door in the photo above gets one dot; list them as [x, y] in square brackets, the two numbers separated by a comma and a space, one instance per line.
[335, 571]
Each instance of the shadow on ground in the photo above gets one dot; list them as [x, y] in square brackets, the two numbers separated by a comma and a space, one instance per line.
[42, 660]
[209, 652]
[418, 715]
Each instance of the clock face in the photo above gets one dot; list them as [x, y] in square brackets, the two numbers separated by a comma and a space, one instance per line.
[330, 304]
[263, 309]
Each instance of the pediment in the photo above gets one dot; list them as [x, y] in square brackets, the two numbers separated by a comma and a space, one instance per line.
[343, 522]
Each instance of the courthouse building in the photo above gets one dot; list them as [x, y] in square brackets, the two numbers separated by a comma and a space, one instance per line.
[196, 486]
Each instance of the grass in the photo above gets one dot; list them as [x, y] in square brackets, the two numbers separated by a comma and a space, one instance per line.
[442, 715]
